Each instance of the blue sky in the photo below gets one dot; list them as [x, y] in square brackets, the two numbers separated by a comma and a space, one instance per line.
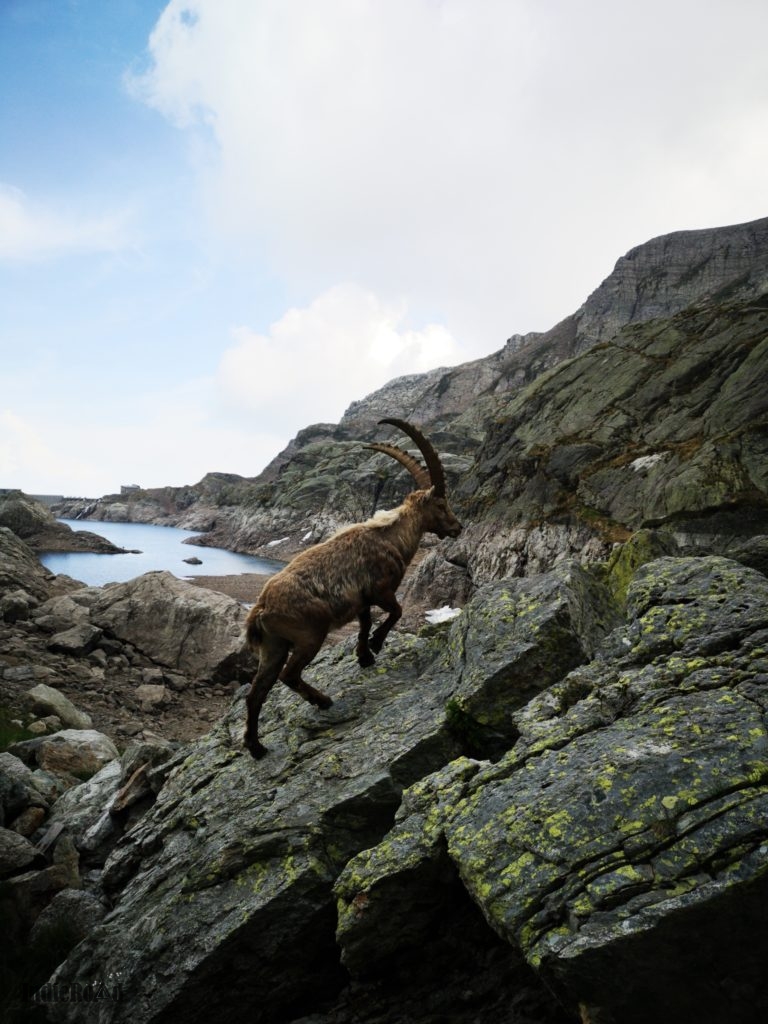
[222, 220]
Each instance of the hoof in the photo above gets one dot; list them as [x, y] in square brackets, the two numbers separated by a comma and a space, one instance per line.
[366, 660]
[323, 702]
[256, 749]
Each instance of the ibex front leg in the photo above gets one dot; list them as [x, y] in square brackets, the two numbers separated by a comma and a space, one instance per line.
[389, 603]
[364, 655]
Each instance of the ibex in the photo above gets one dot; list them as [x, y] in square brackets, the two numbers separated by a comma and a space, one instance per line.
[339, 580]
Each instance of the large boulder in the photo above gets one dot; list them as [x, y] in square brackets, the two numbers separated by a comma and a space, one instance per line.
[69, 754]
[68, 918]
[620, 846]
[47, 700]
[16, 853]
[18, 789]
[23, 515]
[84, 812]
[24, 896]
[20, 569]
[76, 641]
[174, 623]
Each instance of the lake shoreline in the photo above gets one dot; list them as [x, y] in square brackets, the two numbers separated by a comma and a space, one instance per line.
[148, 548]
[244, 587]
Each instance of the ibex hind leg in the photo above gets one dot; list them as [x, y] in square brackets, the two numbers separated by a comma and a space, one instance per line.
[272, 654]
[300, 657]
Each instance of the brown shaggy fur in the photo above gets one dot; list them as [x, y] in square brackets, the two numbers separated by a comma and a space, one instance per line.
[331, 584]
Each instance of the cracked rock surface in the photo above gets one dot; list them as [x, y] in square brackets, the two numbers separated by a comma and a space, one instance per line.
[585, 833]
[625, 835]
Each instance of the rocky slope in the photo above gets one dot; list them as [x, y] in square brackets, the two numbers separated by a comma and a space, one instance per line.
[104, 646]
[552, 808]
[155, 662]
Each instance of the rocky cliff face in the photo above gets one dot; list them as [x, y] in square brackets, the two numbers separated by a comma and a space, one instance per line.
[36, 524]
[665, 425]
[669, 273]
[654, 280]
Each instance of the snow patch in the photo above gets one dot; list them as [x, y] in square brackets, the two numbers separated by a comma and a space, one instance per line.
[646, 461]
[444, 614]
[274, 543]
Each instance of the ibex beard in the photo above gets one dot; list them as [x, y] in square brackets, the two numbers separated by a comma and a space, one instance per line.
[340, 580]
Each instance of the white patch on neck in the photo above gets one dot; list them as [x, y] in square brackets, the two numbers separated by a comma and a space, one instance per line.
[384, 517]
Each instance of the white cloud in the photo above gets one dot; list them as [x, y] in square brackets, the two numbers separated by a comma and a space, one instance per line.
[167, 444]
[486, 160]
[31, 461]
[308, 367]
[314, 361]
[30, 231]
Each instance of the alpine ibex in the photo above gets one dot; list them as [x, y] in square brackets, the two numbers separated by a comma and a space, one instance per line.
[339, 580]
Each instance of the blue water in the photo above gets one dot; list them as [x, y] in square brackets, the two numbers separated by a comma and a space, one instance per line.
[161, 547]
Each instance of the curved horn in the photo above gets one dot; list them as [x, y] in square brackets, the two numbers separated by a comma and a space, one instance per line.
[436, 474]
[419, 474]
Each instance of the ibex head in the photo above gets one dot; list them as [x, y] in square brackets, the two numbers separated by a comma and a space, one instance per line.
[436, 513]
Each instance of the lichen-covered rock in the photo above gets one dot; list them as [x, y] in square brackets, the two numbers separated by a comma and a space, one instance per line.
[519, 636]
[643, 546]
[237, 858]
[624, 836]
[619, 829]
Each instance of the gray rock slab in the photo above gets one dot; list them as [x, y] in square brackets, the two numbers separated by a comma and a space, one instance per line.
[176, 624]
[47, 700]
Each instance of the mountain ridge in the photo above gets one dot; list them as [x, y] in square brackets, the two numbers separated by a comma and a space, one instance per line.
[323, 478]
